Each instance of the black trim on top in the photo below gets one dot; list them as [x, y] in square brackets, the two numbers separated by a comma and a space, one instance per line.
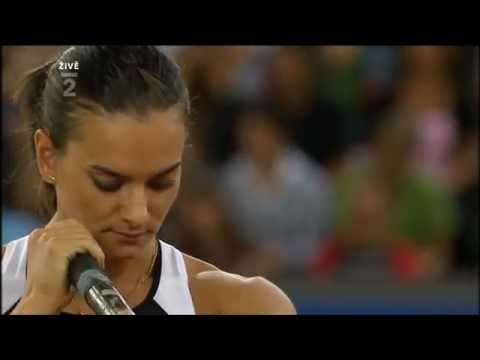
[12, 307]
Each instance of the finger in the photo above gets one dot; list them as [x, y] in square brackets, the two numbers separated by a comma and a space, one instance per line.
[94, 250]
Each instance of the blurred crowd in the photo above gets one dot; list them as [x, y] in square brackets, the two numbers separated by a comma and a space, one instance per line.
[319, 162]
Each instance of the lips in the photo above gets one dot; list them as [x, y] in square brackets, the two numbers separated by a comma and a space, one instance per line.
[131, 238]
[132, 235]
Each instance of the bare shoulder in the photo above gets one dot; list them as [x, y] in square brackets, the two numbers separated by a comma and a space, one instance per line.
[248, 295]
[220, 292]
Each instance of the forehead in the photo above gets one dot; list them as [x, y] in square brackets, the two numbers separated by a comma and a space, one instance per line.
[129, 143]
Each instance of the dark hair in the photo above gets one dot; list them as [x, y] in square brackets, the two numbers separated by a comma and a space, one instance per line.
[113, 79]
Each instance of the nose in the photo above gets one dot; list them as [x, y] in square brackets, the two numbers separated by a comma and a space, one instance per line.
[135, 208]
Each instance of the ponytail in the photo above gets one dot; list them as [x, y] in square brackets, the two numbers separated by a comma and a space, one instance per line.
[29, 97]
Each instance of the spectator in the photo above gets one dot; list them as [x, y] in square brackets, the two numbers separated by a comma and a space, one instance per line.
[319, 128]
[277, 197]
[211, 73]
[198, 224]
[387, 211]
[427, 87]
[341, 76]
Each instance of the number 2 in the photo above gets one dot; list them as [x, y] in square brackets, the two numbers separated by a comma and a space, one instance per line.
[69, 90]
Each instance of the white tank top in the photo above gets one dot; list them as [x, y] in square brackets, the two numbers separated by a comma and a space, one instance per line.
[169, 294]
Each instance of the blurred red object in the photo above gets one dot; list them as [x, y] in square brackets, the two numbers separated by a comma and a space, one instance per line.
[328, 260]
[407, 263]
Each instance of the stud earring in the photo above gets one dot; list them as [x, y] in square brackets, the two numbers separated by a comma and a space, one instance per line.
[51, 179]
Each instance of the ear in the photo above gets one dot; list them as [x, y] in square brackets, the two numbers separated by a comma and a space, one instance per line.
[46, 154]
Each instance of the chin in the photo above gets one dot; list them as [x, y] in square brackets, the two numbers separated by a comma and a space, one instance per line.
[119, 249]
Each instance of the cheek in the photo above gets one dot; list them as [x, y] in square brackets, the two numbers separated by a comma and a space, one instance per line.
[79, 198]
[160, 203]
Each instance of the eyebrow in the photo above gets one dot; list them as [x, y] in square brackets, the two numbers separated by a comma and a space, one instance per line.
[111, 172]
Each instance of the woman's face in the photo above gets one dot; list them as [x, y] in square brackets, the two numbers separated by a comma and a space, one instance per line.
[118, 176]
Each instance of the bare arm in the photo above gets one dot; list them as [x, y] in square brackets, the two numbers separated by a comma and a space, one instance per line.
[238, 295]
[258, 296]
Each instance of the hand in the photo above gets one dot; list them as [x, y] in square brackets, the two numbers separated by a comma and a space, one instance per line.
[49, 253]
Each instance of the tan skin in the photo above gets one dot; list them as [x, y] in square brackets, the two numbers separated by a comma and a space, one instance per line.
[146, 154]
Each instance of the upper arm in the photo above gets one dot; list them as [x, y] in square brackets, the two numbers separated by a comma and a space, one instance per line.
[258, 296]
[269, 299]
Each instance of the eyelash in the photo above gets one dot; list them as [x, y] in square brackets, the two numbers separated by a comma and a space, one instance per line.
[159, 186]
[113, 187]
[107, 187]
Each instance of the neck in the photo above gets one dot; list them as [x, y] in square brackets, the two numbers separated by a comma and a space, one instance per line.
[132, 269]
[55, 218]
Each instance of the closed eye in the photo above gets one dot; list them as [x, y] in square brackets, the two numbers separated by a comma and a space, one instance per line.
[107, 180]
[115, 185]
[107, 186]
[160, 185]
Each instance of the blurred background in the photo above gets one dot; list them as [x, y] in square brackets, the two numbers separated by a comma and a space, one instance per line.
[348, 175]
